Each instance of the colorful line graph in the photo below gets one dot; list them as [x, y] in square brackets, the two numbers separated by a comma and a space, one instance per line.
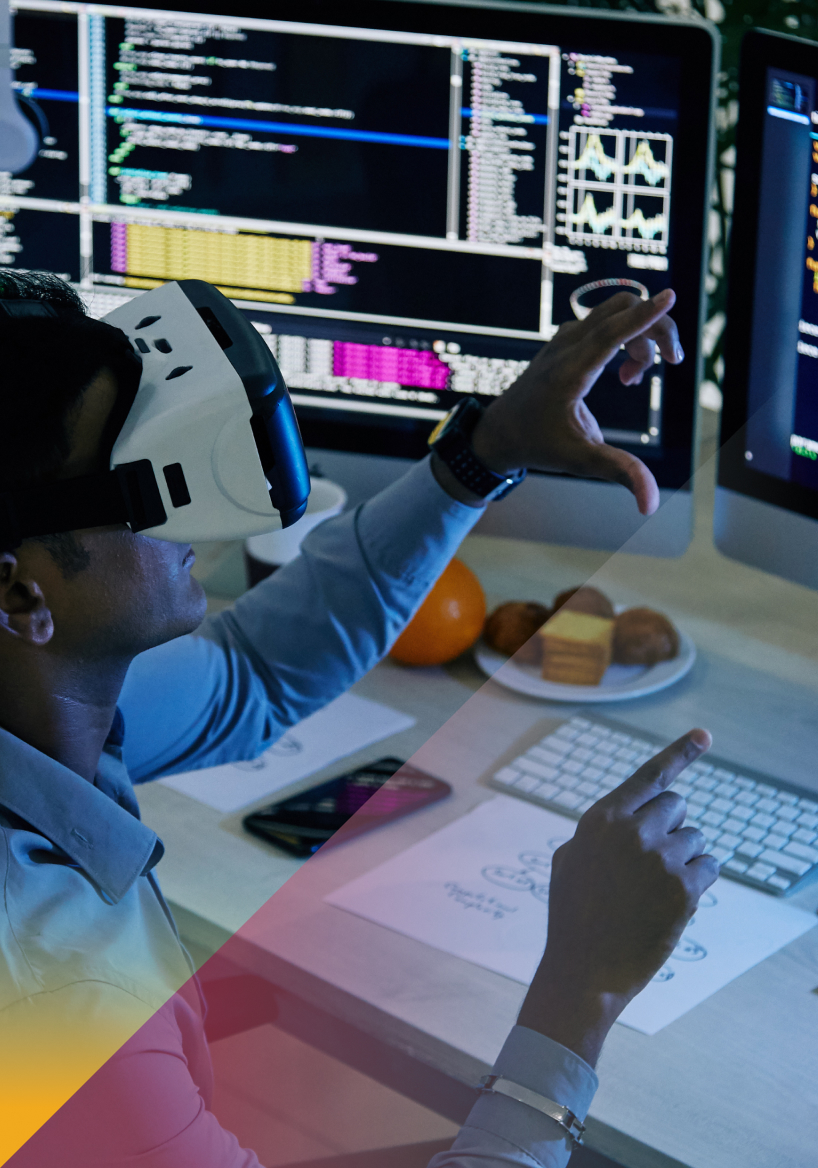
[600, 222]
[644, 162]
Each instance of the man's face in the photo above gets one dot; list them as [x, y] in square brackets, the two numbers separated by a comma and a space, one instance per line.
[134, 592]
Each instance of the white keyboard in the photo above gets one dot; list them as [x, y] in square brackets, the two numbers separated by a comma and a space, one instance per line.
[762, 831]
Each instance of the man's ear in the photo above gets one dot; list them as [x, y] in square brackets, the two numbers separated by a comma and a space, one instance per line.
[24, 613]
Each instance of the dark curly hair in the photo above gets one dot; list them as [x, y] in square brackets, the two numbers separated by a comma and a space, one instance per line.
[47, 364]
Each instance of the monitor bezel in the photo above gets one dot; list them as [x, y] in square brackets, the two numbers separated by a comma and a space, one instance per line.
[696, 44]
[760, 51]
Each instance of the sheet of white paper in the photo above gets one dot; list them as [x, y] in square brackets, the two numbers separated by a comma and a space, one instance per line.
[478, 889]
[349, 723]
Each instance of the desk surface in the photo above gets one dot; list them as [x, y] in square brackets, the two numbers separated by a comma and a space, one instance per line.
[723, 1087]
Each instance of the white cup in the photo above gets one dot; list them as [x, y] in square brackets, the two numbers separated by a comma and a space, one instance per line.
[265, 553]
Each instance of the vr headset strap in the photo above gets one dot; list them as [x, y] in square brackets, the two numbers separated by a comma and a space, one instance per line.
[127, 494]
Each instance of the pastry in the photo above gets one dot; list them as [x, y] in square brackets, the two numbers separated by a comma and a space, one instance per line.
[643, 637]
[511, 627]
[585, 599]
[576, 648]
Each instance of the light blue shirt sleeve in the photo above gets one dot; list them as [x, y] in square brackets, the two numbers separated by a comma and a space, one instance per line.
[298, 639]
[502, 1133]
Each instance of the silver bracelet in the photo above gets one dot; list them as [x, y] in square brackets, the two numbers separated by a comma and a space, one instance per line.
[561, 1115]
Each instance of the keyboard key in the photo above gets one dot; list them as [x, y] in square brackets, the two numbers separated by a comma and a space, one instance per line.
[726, 840]
[609, 781]
[803, 852]
[787, 812]
[712, 818]
[580, 723]
[592, 773]
[567, 733]
[554, 742]
[741, 813]
[804, 835]
[711, 834]
[766, 789]
[754, 833]
[734, 825]
[747, 798]
[735, 866]
[761, 871]
[748, 848]
[622, 739]
[606, 748]
[767, 805]
[582, 754]
[762, 820]
[694, 811]
[726, 791]
[788, 863]
[723, 805]
[787, 797]
[721, 774]
[700, 797]
[527, 783]
[603, 731]
[588, 739]
[808, 820]
[586, 806]
[778, 882]
[745, 783]
[701, 768]
[808, 805]
[571, 767]
[784, 828]
[589, 789]
[682, 789]
[774, 841]
[547, 790]
[721, 854]
[568, 782]
[549, 757]
[704, 783]
[507, 776]
[535, 768]
[568, 799]
[626, 755]
[621, 768]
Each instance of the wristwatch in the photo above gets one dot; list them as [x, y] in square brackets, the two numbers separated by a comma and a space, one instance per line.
[451, 442]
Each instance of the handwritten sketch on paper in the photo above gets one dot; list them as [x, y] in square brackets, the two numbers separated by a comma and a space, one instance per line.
[349, 723]
[478, 889]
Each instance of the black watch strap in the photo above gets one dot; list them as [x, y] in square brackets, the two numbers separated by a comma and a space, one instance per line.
[451, 442]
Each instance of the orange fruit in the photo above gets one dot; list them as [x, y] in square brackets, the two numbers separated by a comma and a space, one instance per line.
[447, 623]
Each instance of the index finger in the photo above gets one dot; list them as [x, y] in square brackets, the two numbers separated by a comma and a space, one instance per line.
[617, 329]
[659, 772]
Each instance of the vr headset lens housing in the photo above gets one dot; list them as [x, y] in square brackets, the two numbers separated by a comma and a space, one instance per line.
[210, 447]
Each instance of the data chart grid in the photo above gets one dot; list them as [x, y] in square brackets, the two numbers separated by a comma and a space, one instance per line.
[614, 188]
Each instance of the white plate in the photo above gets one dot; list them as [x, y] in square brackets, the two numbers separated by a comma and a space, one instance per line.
[620, 682]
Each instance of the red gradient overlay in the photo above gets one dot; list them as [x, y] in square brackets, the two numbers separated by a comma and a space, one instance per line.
[164, 1101]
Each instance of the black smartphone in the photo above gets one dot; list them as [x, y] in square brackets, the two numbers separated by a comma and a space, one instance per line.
[302, 824]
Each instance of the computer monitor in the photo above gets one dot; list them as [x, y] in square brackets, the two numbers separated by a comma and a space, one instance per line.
[405, 198]
[766, 510]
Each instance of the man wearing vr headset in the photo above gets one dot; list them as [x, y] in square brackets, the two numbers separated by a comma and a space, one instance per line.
[108, 677]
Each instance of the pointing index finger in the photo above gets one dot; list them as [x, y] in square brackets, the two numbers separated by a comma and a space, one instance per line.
[619, 328]
[659, 772]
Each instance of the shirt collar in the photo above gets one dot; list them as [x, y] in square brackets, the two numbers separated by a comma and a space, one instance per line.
[96, 824]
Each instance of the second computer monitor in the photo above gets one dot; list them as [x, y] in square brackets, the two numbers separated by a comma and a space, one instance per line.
[407, 199]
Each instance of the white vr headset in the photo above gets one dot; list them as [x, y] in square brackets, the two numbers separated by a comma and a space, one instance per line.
[210, 448]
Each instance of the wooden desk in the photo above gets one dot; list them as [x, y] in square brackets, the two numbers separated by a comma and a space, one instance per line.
[728, 1085]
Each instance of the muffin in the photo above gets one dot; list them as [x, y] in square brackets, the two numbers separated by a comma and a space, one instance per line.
[585, 599]
[510, 627]
[643, 637]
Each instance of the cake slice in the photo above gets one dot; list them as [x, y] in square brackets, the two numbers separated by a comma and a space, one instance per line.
[576, 647]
